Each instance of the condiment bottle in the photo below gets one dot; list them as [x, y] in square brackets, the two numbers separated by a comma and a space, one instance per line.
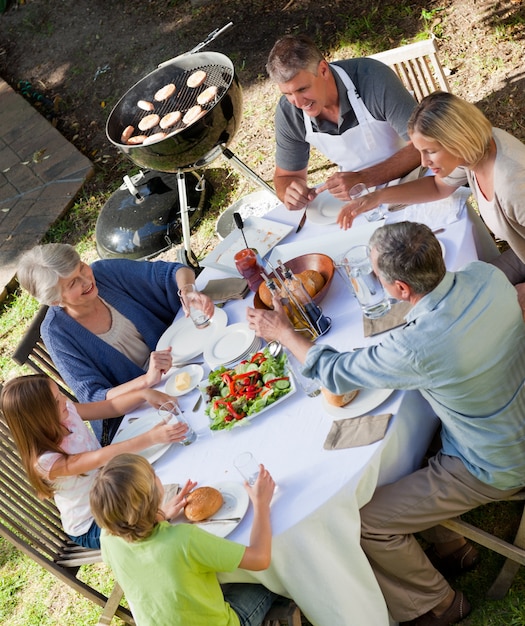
[249, 267]
[294, 307]
[320, 323]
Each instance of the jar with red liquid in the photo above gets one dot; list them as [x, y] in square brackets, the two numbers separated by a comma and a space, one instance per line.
[248, 266]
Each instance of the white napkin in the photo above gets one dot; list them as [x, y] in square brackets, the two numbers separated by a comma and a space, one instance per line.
[434, 214]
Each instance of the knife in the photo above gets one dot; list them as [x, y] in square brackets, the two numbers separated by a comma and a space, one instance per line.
[301, 223]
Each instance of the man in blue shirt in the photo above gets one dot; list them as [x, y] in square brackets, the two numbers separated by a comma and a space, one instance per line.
[463, 348]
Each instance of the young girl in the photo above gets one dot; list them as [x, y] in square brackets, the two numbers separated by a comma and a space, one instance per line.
[61, 454]
[168, 572]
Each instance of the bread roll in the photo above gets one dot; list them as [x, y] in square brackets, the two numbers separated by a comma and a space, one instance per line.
[202, 503]
[339, 399]
[153, 138]
[145, 105]
[312, 277]
[312, 281]
[136, 139]
[265, 295]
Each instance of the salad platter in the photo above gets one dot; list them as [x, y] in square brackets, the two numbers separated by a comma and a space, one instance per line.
[236, 395]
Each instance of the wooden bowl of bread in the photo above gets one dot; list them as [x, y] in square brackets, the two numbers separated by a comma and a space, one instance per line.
[315, 271]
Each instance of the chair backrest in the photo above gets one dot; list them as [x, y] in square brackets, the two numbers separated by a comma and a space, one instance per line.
[32, 352]
[34, 526]
[418, 67]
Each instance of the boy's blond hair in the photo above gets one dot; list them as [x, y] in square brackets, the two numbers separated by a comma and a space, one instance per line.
[125, 498]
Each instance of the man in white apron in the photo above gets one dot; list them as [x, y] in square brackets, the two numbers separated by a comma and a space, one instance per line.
[354, 112]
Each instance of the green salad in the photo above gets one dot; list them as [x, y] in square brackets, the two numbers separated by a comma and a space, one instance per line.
[253, 384]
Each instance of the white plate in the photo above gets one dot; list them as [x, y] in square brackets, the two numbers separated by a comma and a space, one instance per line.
[262, 234]
[186, 340]
[196, 373]
[138, 427]
[254, 204]
[293, 389]
[236, 503]
[324, 209]
[229, 345]
[255, 347]
[367, 400]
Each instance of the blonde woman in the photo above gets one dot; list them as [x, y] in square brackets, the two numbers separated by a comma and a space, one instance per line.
[459, 145]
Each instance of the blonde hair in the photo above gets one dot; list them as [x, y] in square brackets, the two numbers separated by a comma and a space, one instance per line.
[459, 126]
[290, 55]
[125, 498]
[32, 414]
[40, 269]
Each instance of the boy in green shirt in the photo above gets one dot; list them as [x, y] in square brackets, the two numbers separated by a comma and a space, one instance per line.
[168, 572]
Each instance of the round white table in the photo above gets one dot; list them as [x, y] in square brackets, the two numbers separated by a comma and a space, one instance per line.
[316, 554]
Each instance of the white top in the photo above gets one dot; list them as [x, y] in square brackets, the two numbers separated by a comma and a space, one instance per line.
[72, 492]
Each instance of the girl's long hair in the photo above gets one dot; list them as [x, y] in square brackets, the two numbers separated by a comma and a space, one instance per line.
[32, 414]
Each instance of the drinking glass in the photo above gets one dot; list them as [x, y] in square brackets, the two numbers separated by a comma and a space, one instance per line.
[247, 467]
[359, 190]
[372, 298]
[189, 295]
[170, 410]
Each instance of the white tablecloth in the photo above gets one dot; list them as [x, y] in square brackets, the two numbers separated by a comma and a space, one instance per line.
[316, 556]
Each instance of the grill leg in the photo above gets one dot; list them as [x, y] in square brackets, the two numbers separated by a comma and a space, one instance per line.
[191, 259]
[244, 169]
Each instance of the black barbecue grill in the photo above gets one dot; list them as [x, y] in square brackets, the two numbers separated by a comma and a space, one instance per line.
[186, 146]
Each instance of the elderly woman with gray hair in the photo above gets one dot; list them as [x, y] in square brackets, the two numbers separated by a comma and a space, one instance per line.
[105, 320]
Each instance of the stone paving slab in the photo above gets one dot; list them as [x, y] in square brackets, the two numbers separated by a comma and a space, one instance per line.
[40, 175]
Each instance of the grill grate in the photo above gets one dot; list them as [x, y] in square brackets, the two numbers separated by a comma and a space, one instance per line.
[183, 99]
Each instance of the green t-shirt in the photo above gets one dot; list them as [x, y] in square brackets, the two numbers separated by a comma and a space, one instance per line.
[170, 578]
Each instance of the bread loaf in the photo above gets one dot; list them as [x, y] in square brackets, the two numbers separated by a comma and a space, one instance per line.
[202, 503]
[339, 399]
[312, 281]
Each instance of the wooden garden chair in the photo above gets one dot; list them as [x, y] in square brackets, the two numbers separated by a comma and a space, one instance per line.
[34, 527]
[514, 552]
[32, 352]
[418, 67]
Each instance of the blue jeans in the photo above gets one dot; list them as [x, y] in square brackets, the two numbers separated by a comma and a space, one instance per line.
[106, 429]
[90, 539]
[251, 602]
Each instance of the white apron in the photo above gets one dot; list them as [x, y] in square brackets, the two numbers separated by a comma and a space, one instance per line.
[370, 142]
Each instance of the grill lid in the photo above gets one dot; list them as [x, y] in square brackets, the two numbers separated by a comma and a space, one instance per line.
[133, 228]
